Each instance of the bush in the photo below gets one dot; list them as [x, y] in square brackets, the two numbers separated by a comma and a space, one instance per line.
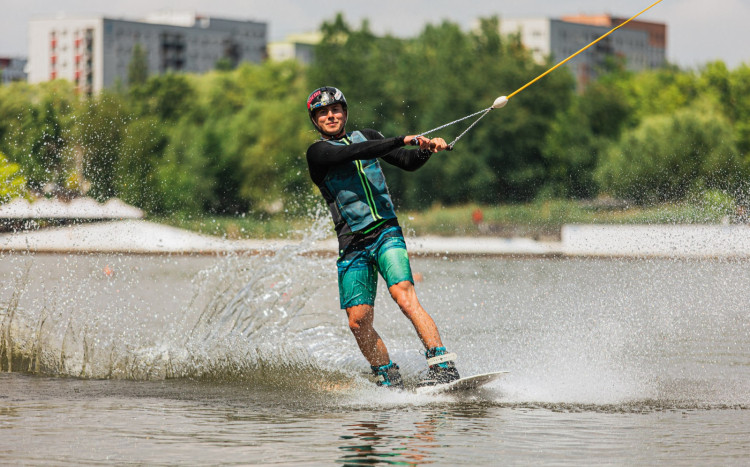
[12, 183]
[667, 157]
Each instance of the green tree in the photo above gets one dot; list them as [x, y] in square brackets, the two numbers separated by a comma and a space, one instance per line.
[36, 131]
[138, 66]
[169, 97]
[12, 183]
[143, 145]
[739, 84]
[580, 133]
[271, 135]
[183, 175]
[656, 92]
[224, 64]
[570, 154]
[98, 136]
[667, 157]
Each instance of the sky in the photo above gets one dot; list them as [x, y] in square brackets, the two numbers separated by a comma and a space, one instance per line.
[698, 31]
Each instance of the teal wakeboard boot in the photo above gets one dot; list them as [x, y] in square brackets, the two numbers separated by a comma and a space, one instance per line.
[388, 376]
[442, 367]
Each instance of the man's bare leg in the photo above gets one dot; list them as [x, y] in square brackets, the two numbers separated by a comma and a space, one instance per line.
[443, 370]
[406, 297]
[369, 342]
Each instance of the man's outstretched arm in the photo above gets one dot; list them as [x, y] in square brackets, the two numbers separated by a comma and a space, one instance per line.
[412, 160]
[325, 154]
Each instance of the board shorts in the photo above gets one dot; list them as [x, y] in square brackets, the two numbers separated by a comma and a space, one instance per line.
[360, 264]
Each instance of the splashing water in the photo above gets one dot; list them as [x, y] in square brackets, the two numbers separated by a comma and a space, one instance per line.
[626, 334]
[265, 317]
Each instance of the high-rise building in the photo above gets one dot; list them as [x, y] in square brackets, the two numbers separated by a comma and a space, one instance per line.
[640, 45]
[95, 52]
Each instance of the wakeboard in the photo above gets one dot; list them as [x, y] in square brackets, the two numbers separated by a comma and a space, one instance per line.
[468, 383]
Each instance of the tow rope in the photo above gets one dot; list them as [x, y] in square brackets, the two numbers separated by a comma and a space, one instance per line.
[502, 100]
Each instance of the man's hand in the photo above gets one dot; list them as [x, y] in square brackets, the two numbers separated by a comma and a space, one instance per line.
[432, 145]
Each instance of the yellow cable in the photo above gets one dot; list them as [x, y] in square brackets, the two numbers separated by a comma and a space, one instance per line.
[575, 54]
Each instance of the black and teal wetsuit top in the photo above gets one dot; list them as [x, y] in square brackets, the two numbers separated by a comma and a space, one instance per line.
[348, 174]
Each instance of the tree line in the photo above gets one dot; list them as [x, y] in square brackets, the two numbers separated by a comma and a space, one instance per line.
[234, 140]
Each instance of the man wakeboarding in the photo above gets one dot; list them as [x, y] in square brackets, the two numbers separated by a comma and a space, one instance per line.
[346, 169]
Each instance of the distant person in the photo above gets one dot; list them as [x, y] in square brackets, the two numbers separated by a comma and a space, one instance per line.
[346, 169]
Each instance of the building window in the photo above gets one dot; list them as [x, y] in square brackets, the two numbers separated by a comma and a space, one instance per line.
[172, 52]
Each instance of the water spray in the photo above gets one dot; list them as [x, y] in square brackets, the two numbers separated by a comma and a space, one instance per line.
[501, 101]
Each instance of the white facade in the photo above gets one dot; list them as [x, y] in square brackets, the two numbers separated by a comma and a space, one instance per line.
[299, 47]
[94, 53]
[281, 51]
[560, 39]
[535, 34]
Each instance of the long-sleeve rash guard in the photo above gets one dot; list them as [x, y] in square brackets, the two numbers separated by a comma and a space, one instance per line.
[322, 155]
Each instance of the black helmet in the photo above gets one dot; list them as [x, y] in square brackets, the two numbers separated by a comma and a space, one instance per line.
[321, 97]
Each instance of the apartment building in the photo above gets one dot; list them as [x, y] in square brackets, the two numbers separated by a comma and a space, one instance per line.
[641, 45]
[94, 52]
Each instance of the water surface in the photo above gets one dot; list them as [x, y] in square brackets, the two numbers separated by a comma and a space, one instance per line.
[248, 360]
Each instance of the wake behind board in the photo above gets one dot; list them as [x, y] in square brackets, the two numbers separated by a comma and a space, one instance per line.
[468, 383]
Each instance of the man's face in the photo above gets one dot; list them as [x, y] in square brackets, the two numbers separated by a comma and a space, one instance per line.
[331, 119]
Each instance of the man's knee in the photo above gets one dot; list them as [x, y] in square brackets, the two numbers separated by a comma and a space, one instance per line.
[360, 317]
[404, 295]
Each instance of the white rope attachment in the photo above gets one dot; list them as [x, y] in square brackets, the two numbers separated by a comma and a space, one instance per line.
[500, 102]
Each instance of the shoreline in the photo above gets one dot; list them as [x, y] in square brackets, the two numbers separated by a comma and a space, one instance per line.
[141, 237]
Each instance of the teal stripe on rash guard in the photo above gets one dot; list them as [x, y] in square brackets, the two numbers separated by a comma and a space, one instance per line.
[365, 186]
[368, 191]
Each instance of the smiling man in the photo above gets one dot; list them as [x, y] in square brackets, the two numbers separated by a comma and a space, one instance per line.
[346, 169]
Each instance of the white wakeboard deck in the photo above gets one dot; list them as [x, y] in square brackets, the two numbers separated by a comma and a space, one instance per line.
[462, 384]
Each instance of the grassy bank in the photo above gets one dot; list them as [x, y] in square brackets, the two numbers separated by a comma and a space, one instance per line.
[539, 220]
[543, 220]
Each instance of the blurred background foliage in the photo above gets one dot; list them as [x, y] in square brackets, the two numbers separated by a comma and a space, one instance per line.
[234, 141]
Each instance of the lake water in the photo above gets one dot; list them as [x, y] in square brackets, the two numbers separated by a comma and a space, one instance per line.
[164, 360]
